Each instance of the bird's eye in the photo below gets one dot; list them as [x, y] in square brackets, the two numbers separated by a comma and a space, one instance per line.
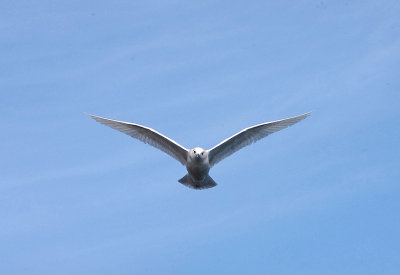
[202, 152]
[194, 151]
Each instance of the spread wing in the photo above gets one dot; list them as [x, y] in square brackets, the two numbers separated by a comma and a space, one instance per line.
[249, 136]
[147, 135]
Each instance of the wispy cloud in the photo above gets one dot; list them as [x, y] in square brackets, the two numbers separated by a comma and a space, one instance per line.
[106, 164]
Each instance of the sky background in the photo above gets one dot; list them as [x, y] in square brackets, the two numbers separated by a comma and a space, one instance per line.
[321, 197]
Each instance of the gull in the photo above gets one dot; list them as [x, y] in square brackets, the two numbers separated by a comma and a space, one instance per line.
[197, 160]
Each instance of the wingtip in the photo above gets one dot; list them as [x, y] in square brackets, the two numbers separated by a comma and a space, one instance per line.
[300, 117]
[308, 113]
[305, 115]
[92, 116]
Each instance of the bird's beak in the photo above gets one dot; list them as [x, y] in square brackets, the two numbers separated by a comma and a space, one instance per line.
[198, 156]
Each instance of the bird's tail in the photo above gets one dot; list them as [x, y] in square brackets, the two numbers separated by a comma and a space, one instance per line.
[208, 182]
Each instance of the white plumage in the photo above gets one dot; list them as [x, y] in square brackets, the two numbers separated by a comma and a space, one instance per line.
[199, 161]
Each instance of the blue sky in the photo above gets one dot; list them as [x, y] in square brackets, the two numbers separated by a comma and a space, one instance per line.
[321, 197]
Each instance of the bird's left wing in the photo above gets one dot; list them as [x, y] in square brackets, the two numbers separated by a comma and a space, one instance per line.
[147, 135]
[249, 136]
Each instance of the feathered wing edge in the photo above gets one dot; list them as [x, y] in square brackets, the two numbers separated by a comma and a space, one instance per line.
[248, 136]
[147, 135]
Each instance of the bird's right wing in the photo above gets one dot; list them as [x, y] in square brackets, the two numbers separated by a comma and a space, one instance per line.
[147, 135]
[249, 136]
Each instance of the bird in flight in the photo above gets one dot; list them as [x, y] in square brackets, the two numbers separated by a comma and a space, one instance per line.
[197, 160]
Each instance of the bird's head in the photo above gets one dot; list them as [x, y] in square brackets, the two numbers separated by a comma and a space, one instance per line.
[198, 153]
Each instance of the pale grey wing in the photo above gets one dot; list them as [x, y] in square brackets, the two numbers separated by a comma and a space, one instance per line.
[147, 135]
[249, 136]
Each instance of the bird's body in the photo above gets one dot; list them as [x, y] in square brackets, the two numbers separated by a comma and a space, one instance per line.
[197, 160]
[198, 166]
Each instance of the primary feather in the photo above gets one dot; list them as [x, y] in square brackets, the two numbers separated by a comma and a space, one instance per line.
[149, 136]
[248, 136]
